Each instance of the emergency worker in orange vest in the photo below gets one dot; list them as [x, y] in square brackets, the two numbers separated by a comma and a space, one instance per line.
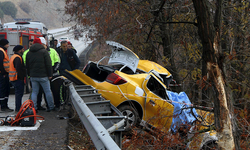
[17, 74]
[4, 76]
[5, 44]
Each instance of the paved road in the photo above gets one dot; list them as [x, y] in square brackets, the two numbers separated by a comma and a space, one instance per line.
[51, 134]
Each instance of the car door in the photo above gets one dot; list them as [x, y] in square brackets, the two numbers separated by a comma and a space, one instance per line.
[158, 111]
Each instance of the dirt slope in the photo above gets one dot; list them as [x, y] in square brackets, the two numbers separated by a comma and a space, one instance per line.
[51, 13]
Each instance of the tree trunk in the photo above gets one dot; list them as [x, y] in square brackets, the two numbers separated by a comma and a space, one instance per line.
[210, 37]
[167, 40]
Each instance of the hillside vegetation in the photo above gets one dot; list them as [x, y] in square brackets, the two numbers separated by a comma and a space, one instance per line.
[51, 13]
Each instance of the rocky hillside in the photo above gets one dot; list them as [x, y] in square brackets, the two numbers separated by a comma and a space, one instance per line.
[51, 13]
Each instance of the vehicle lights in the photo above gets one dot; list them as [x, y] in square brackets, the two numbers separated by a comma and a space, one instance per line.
[115, 79]
[22, 22]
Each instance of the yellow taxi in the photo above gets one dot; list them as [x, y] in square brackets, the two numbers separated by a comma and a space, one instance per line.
[138, 88]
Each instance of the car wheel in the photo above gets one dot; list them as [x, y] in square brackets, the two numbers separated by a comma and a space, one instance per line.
[131, 114]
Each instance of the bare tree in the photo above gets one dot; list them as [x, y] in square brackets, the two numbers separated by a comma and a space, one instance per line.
[210, 33]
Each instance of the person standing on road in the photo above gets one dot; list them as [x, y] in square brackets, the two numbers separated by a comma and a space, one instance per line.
[69, 59]
[24, 60]
[39, 68]
[27, 50]
[17, 73]
[4, 44]
[4, 76]
[55, 61]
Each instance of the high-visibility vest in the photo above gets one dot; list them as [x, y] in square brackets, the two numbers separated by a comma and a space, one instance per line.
[13, 73]
[54, 56]
[6, 62]
[52, 53]
[24, 56]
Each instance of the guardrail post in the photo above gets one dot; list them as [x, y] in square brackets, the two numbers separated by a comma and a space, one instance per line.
[99, 135]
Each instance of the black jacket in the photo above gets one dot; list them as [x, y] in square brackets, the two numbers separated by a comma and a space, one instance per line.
[38, 62]
[72, 60]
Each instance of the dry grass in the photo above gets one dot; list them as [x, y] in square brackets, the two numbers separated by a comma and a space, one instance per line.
[78, 137]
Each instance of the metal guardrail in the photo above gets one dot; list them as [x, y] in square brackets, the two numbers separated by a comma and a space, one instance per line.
[98, 133]
[60, 33]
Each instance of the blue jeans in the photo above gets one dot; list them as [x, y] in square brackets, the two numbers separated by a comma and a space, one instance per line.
[44, 82]
[19, 89]
[4, 90]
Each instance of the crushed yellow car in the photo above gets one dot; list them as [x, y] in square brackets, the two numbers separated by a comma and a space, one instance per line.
[138, 88]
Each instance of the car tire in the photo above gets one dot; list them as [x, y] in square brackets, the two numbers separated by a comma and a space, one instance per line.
[131, 114]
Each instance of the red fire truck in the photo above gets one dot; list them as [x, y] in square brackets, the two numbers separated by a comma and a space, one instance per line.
[19, 33]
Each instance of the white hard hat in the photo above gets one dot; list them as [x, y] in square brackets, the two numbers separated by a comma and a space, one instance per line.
[43, 40]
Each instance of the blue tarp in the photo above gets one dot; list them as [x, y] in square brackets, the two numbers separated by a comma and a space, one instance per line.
[181, 116]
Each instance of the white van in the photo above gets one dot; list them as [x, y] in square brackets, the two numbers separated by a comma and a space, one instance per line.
[30, 24]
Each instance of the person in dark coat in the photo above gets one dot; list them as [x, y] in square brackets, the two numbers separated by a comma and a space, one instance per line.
[39, 68]
[4, 43]
[4, 76]
[69, 59]
[17, 74]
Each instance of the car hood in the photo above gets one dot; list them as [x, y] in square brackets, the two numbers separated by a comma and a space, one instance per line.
[123, 55]
[149, 66]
